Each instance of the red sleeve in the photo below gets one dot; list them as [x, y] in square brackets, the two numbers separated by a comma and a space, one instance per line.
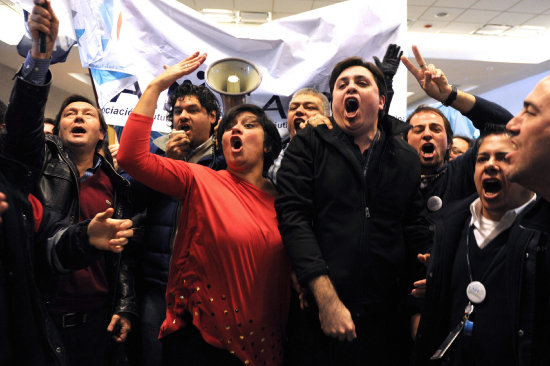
[162, 174]
[37, 211]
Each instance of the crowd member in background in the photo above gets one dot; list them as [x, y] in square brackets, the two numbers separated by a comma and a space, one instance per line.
[529, 166]
[228, 285]
[460, 145]
[195, 111]
[91, 307]
[479, 258]
[357, 185]
[306, 104]
[49, 126]
[431, 135]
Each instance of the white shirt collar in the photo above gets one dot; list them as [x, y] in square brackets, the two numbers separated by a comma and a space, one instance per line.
[486, 230]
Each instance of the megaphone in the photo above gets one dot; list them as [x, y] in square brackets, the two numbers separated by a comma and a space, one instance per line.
[233, 78]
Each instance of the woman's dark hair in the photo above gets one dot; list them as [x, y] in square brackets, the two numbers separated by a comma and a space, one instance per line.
[375, 71]
[79, 98]
[272, 139]
[491, 129]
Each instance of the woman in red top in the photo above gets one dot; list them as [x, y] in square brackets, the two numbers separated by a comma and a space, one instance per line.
[228, 287]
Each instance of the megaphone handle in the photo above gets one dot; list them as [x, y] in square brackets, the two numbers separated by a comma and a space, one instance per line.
[42, 36]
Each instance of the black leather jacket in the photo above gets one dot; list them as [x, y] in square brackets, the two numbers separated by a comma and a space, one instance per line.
[58, 189]
[28, 251]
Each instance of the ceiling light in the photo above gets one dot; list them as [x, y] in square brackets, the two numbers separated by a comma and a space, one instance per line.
[221, 15]
[492, 29]
[254, 17]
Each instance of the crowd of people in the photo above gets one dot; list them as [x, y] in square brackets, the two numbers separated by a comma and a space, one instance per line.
[362, 239]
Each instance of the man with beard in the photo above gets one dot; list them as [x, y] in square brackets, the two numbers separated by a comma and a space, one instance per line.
[431, 135]
[349, 210]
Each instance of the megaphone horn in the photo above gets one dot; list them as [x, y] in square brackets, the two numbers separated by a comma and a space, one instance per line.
[233, 78]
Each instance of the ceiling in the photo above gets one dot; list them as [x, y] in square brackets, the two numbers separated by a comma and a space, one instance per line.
[440, 19]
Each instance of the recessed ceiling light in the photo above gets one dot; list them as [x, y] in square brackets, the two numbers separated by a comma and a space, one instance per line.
[492, 29]
[254, 17]
[221, 15]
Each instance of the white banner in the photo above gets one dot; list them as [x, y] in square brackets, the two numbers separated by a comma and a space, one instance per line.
[125, 43]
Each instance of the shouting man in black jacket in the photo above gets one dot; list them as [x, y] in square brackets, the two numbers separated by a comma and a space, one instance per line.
[350, 214]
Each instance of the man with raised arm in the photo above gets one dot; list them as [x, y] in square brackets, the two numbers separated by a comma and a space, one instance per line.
[431, 135]
[93, 305]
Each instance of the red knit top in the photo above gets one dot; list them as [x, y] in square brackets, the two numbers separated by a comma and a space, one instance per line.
[229, 269]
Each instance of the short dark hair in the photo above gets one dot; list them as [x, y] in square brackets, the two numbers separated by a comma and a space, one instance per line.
[206, 98]
[79, 98]
[272, 138]
[446, 123]
[491, 129]
[375, 71]
[468, 140]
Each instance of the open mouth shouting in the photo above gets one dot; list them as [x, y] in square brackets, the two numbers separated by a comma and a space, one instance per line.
[351, 105]
[77, 130]
[428, 150]
[491, 187]
[236, 143]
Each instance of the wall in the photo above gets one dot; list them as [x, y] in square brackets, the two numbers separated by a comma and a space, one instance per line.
[512, 95]
[55, 98]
